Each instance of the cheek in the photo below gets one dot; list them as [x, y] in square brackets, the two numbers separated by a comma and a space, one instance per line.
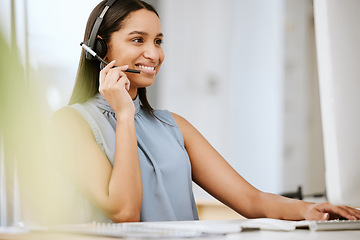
[161, 55]
[124, 55]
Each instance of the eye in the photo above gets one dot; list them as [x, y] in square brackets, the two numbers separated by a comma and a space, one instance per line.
[137, 40]
[158, 41]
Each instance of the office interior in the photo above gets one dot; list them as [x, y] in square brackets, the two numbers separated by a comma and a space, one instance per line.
[245, 73]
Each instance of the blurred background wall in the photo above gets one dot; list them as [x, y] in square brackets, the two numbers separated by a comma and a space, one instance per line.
[241, 71]
[244, 73]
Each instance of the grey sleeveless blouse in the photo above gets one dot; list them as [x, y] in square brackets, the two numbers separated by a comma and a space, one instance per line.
[164, 162]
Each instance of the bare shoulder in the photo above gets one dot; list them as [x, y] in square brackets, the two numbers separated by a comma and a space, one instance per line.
[181, 122]
[179, 119]
[68, 120]
[66, 115]
[69, 138]
[190, 134]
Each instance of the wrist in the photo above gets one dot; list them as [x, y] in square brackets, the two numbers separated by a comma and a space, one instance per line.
[124, 117]
[305, 208]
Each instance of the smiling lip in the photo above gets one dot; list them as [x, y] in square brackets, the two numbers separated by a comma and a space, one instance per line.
[146, 68]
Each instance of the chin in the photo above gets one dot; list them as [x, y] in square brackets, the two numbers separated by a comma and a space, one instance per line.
[142, 82]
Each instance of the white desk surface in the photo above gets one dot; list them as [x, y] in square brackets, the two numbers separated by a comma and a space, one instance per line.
[299, 234]
[251, 235]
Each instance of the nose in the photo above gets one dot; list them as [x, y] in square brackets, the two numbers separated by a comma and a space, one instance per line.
[151, 52]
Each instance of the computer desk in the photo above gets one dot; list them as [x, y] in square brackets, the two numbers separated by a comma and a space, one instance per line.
[246, 235]
[251, 235]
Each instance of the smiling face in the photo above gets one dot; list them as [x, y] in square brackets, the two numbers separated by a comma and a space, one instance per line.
[138, 44]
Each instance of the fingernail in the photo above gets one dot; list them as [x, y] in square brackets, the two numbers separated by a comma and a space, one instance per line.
[326, 216]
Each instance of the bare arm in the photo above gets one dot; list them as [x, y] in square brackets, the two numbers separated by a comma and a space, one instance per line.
[117, 189]
[211, 171]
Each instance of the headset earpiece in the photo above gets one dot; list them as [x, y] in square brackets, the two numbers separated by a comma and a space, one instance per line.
[100, 47]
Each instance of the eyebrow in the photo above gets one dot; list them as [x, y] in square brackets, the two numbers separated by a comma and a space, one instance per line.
[144, 33]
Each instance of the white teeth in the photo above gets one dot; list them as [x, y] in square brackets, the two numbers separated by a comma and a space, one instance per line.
[146, 67]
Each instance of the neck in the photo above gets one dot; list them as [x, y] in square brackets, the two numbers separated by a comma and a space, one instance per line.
[133, 93]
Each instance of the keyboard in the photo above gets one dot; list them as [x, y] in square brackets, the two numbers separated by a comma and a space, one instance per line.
[153, 230]
[286, 225]
[197, 229]
[330, 225]
[126, 231]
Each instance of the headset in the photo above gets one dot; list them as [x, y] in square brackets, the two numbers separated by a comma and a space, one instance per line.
[97, 44]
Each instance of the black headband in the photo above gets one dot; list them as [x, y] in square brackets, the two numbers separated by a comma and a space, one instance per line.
[95, 29]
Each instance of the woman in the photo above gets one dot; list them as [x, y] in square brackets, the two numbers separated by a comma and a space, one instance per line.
[140, 162]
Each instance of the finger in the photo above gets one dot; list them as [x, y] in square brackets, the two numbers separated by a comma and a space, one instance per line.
[101, 80]
[106, 82]
[114, 69]
[117, 68]
[341, 211]
[104, 72]
[112, 77]
[123, 67]
[353, 211]
[109, 66]
[325, 216]
[118, 77]
[127, 85]
[345, 212]
[319, 216]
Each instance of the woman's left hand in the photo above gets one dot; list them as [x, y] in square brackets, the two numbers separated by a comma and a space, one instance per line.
[328, 211]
